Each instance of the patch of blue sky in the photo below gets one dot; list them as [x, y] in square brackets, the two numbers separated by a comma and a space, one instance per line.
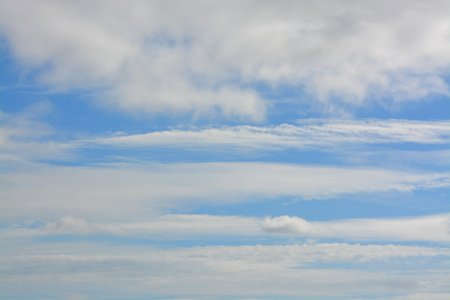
[359, 205]
[393, 155]
[200, 153]
[435, 108]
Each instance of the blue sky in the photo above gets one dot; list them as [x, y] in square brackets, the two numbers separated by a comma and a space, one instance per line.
[224, 150]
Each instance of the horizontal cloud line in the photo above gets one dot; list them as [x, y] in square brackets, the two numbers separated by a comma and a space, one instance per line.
[220, 269]
[26, 140]
[309, 133]
[429, 228]
[127, 190]
[302, 253]
[432, 228]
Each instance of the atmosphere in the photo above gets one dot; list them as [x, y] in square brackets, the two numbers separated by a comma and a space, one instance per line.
[225, 150]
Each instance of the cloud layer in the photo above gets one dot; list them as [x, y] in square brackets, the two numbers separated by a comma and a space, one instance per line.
[150, 149]
[226, 271]
[433, 228]
[160, 57]
[124, 190]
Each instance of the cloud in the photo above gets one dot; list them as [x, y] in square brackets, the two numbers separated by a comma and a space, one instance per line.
[434, 228]
[225, 271]
[310, 133]
[166, 226]
[428, 228]
[125, 190]
[23, 137]
[420, 296]
[197, 57]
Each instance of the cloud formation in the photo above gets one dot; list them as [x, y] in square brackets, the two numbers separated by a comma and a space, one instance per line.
[157, 56]
[226, 271]
[125, 190]
[308, 134]
[166, 226]
[24, 137]
[429, 228]
[105, 179]
[433, 228]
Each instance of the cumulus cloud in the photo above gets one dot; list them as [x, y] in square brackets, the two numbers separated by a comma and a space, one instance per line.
[152, 56]
[429, 228]
[124, 191]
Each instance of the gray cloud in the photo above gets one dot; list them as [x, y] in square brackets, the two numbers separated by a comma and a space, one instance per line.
[225, 271]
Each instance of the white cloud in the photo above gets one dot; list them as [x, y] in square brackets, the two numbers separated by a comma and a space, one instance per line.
[191, 57]
[310, 133]
[429, 228]
[124, 191]
[24, 138]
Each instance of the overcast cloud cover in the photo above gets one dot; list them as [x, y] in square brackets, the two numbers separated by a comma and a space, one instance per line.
[225, 149]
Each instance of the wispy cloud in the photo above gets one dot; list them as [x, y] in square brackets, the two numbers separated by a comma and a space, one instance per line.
[154, 148]
[310, 133]
[24, 137]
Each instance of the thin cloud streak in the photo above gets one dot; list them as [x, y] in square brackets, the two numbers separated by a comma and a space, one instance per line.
[310, 134]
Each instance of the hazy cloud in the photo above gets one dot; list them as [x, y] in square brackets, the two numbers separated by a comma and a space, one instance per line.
[126, 190]
[228, 271]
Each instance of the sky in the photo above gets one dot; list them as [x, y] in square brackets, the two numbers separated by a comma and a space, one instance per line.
[225, 150]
